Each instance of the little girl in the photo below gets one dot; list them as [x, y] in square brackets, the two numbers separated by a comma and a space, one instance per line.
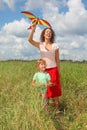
[42, 79]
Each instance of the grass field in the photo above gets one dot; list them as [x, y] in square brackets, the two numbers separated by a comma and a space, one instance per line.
[20, 103]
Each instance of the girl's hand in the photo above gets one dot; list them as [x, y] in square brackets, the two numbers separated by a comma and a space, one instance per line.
[51, 84]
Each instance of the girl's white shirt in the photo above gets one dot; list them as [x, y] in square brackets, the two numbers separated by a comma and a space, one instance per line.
[48, 55]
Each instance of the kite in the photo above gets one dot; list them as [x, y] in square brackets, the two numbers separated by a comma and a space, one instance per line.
[36, 20]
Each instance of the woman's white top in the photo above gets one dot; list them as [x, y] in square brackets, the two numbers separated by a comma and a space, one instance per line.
[48, 55]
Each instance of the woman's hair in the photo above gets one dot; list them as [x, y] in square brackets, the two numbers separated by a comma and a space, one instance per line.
[42, 39]
[40, 61]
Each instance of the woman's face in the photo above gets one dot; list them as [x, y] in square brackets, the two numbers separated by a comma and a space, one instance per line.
[48, 34]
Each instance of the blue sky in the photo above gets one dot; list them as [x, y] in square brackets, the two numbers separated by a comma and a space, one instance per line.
[68, 18]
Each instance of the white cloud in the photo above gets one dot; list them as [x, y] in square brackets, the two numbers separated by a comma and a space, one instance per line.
[76, 7]
[33, 4]
[17, 28]
[9, 3]
[73, 21]
[1, 4]
[75, 44]
[64, 52]
[42, 4]
[14, 43]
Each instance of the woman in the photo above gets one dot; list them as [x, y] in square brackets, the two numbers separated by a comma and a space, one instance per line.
[50, 53]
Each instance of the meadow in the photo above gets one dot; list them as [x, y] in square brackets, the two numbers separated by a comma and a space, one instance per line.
[20, 103]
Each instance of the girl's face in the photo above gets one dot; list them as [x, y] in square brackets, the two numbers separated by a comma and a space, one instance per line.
[42, 67]
[48, 34]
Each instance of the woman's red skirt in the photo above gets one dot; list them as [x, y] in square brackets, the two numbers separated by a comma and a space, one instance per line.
[54, 91]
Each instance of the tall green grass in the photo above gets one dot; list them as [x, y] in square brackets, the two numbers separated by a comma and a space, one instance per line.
[20, 103]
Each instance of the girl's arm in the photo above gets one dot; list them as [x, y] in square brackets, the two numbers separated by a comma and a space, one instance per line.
[30, 37]
[37, 85]
[50, 83]
[42, 84]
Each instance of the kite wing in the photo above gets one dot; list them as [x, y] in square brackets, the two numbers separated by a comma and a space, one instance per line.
[34, 19]
[44, 22]
[29, 15]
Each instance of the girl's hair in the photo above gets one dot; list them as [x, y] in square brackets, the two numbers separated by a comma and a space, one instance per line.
[42, 39]
[40, 61]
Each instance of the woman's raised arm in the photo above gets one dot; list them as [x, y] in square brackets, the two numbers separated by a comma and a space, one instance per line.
[30, 37]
